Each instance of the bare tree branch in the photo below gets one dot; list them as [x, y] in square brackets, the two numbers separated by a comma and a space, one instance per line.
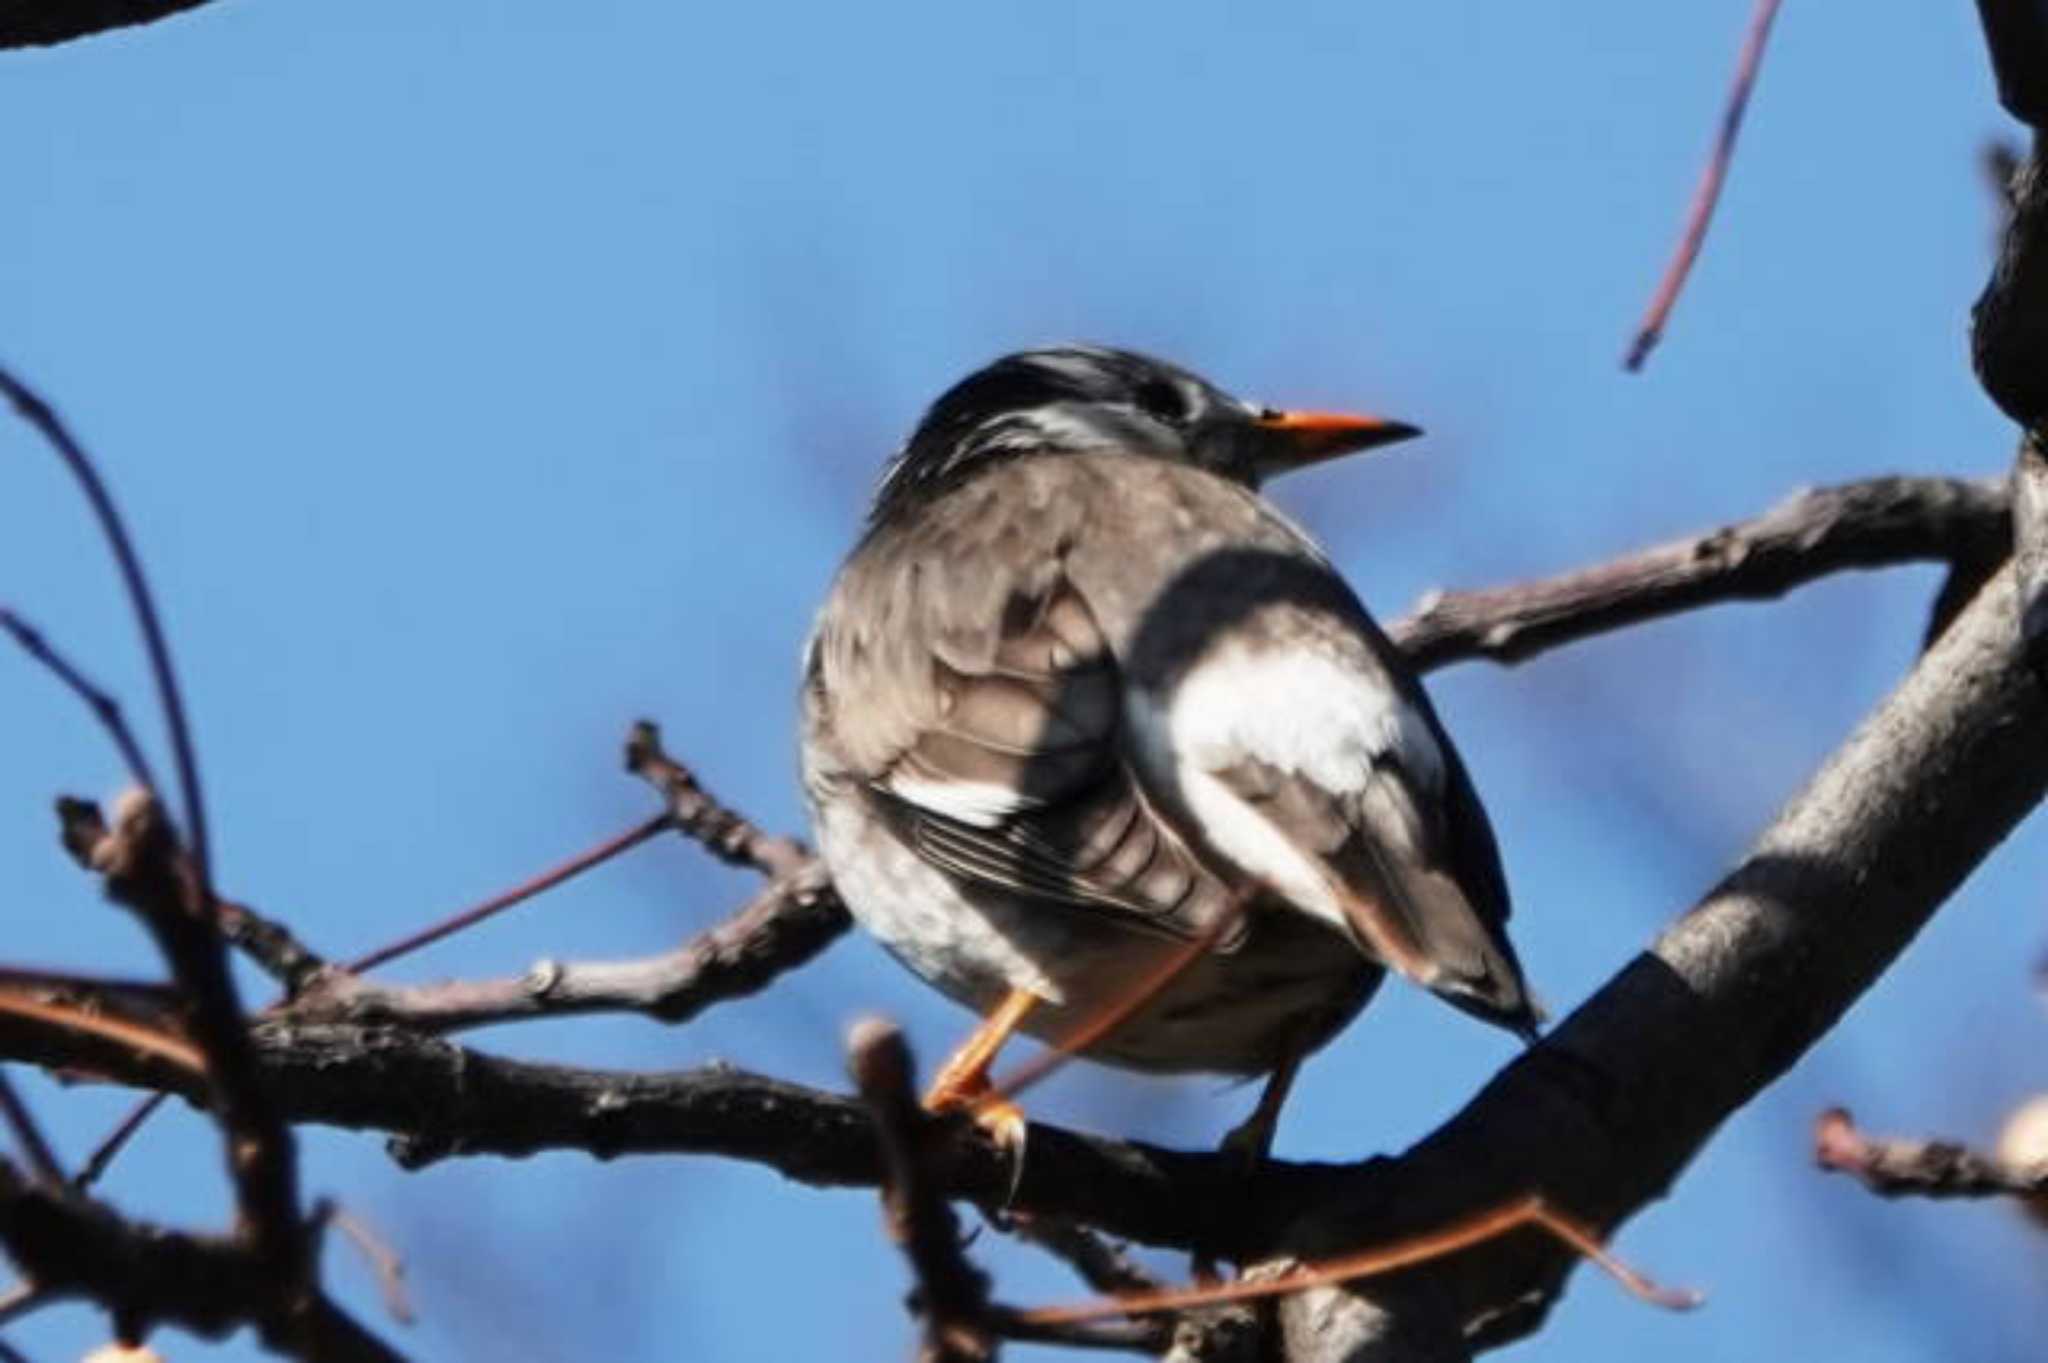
[44, 23]
[785, 925]
[724, 832]
[2009, 325]
[35, 1147]
[144, 870]
[1701, 213]
[1896, 1168]
[1600, 1117]
[97, 699]
[31, 407]
[1875, 523]
[72, 1246]
[518, 894]
[952, 1295]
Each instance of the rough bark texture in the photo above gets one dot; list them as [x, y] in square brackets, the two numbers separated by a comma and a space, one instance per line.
[1874, 523]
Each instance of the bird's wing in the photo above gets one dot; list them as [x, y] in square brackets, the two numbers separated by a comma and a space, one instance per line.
[1313, 761]
[982, 710]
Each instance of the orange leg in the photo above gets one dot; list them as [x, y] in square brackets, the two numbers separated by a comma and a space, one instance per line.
[963, 1079]
[962, 1083]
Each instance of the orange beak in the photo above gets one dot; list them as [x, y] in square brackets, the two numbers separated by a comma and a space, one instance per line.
[1311, 437]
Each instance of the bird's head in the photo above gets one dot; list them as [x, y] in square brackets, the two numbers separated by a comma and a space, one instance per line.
[1070, 399]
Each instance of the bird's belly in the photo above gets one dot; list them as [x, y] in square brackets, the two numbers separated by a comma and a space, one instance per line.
[1289, 985]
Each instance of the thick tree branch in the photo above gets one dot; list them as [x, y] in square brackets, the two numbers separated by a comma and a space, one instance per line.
[72, 1246]
[146, 871]
[2009, 325]
[43, 23]
[1875, 523]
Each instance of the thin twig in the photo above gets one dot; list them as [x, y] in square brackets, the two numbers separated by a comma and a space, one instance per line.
[786, 924]
[1146, 1336]
[35, 1147]
[1876, 522]
[39, 414]
[952, 1294]
[1104, 1266]
[1651, 330]
[725, 833]
[97, 699]
[103, 1154]
[519, 893]
[1895, 1168]
[385, 1264]
[1475, 1230]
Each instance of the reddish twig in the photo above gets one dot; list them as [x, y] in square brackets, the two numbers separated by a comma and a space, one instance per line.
[498, 903]
[783, 926]
[38, 413]
[1475, 1230]
[1709, 192]
[1894, 1168]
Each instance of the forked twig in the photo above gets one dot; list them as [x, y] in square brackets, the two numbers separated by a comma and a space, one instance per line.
[39, 414]
[97, 699]
[1708, 194]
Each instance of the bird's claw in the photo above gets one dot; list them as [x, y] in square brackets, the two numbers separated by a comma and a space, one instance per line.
[1001, 1120]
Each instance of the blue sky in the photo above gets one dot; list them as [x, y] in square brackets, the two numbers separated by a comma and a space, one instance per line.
[481, 378]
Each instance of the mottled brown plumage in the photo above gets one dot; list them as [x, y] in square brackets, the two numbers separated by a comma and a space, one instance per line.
[1072, 695]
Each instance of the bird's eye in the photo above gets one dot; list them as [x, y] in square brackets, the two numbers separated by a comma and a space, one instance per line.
[1157, 397]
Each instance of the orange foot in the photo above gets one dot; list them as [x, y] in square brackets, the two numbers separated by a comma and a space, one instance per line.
[962, 1084]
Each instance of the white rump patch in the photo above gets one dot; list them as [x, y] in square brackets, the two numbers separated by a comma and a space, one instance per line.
[1305, 711]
